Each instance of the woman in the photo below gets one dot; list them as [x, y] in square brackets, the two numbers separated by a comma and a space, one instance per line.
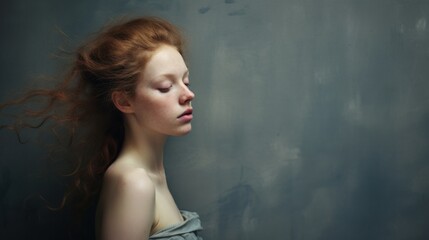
[129, 90]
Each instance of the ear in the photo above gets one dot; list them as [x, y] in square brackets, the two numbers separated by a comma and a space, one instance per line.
[122, 102]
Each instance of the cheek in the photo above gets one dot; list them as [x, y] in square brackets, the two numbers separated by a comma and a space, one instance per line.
[149, 106]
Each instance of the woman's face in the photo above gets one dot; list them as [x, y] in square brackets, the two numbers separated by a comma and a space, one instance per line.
[162, 101]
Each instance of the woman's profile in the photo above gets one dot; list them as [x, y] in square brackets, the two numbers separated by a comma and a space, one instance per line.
[126, 92]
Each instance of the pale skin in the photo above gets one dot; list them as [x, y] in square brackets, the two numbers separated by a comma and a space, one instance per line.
[135, 201]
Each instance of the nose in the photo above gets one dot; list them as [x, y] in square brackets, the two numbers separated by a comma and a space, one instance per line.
[187, 96]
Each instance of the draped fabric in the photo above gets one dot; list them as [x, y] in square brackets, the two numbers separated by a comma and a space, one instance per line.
[187, 230]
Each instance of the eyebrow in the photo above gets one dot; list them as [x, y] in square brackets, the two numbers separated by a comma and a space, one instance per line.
[172, 75]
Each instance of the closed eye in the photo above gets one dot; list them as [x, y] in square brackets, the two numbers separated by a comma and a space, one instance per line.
[164, 90]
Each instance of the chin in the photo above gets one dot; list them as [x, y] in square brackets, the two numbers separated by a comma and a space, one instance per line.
[183, 132]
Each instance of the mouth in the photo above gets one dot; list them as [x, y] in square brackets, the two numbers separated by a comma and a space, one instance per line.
[188, 112]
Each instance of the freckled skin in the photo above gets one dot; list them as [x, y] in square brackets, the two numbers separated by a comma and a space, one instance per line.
[155, 108]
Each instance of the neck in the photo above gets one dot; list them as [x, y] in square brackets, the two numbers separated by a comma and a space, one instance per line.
[144, 148]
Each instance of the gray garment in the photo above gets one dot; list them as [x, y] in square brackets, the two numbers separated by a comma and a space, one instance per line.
[187, 230]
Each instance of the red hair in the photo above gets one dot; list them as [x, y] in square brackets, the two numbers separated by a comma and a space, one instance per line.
[81, 103]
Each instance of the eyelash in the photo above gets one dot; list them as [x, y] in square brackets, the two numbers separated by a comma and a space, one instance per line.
[165, 90]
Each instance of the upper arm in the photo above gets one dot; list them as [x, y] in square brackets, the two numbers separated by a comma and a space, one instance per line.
[128, 206]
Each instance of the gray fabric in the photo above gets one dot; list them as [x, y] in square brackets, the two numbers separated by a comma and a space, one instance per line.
[187, 230]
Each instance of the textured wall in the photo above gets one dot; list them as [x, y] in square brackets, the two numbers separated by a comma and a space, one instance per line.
[311, 116]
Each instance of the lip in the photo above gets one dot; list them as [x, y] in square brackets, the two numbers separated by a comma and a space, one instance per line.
[186, 115]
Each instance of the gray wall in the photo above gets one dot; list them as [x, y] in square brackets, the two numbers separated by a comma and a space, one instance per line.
[311, 116]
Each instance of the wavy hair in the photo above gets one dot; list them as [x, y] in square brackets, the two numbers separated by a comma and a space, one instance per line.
[79, 110]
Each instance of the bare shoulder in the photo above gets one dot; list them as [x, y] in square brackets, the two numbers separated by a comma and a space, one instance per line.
[127, 203]
[125, 178]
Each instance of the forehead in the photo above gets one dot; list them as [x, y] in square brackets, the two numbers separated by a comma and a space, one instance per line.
[166, 60]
